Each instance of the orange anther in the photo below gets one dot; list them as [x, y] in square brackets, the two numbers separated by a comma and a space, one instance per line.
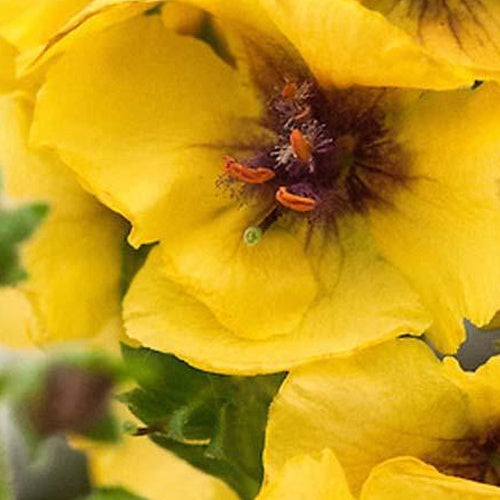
[289, 91]
[294, 201]
[301, 147]
[250, 175]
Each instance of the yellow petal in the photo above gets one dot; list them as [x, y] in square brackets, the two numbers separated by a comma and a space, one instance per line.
[73, 260]
[255, 291]
[182, 18]
[366, 303]
[464, 33]
[28, 23]
[407, 477]
[387, 401]
[482, 387]
[494, 324]
[146, 469]
[7, 73]
[95, 17]
[176, 129]
[345, 44]
[17, 322]
[444, 230]
[304, 477]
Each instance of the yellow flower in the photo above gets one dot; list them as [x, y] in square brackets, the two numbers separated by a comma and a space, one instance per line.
[364, 206]
[386, 245]
[394, 400]
[308, 477]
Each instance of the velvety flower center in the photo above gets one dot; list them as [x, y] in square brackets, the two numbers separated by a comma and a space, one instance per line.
[334, 154]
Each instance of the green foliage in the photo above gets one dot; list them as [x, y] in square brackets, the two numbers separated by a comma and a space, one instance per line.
[16, 225]
[215, 422]
[112, 494]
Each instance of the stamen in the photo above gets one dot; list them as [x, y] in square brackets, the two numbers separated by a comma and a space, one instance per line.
[294, 201]
[304, 114]
[302, 148]
[289, 91]
[258, 175]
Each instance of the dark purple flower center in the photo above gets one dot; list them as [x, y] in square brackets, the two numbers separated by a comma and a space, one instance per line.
[334, 154]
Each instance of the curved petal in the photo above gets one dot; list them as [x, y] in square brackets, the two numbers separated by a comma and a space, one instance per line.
[443, 232]
[479, 385]
[95, 17]
[464, 33]
[407, 477]
[176, 129]
[73, 260]
[367, 303]
[494, 324]
[346, 44]
[255, 291]
[387, 401]
[146, 469]
[304, 477]
[29, 23]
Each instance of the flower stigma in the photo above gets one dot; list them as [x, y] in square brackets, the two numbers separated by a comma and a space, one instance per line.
[252, 235]
[334, 153]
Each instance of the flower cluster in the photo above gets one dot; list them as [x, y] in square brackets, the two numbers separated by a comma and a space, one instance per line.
[265, 186]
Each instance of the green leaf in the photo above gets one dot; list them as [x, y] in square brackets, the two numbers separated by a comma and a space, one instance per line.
[215, 422]
[112, 494]
[16, 225]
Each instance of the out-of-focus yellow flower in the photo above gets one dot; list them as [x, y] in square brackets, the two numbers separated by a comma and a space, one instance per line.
[17, 322]
[371, 201]
[74, 258]
[393, 400]
[7, 71]
[308, 477]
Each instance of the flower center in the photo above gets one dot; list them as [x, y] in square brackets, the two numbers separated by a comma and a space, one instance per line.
[476, 459]
[334, 154]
